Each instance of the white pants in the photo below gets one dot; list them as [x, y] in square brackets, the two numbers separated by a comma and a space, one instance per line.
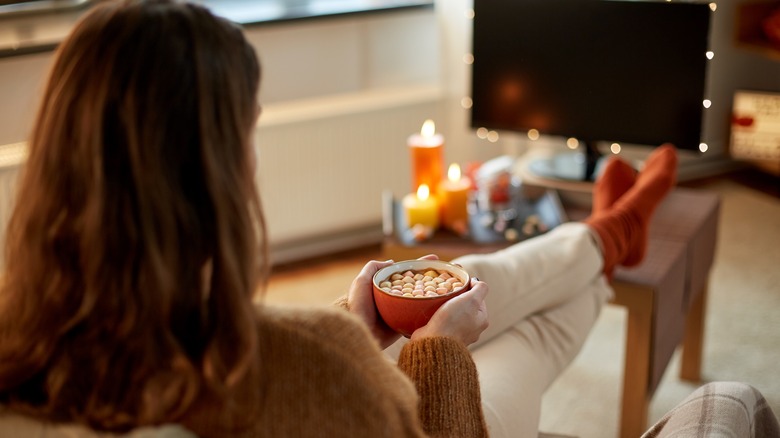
[545, 295]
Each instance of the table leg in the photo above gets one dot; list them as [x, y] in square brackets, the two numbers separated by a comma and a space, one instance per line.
[636, 371]
[693, 340]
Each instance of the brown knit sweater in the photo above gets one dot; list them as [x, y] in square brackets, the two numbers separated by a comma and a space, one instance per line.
[327, 377]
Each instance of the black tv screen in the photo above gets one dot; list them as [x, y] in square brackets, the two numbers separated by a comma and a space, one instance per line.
[596, 70]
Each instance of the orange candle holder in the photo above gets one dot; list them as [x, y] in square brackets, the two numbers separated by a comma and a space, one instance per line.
[427, 154]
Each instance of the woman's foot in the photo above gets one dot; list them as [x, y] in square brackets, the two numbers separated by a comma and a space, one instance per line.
[654, 182]
[617, 177]
[623, 227]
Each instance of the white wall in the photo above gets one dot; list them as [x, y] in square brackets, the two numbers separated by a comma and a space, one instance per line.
[347, 55]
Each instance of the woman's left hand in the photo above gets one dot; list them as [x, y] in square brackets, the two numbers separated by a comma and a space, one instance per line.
[361, 302]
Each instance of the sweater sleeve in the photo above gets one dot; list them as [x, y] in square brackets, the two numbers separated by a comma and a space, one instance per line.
[446, 380]
[447, 383]
[342, 302]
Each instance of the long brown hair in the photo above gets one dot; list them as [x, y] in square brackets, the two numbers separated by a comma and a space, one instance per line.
[137, 240]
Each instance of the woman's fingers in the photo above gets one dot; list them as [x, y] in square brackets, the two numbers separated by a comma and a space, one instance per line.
[476, 309]
[463, 317]
[360, 302]
[371, 268]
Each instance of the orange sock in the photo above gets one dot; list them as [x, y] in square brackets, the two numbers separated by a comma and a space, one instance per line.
[617, 178]
[623, 227]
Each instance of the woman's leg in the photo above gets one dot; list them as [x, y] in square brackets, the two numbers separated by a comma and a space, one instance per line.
[722, 409]
[521, 361]
[517, 366]
[623, 225]
[544, 272]
[559, 295]
[536, 275]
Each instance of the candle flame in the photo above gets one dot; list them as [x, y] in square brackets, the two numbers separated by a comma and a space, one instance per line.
[428, 129]
[453, 173]
[423, 192]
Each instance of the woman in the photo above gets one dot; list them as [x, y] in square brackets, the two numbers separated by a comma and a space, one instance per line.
[137, 245]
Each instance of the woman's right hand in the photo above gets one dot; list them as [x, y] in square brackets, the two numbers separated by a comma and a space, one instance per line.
[463, 317]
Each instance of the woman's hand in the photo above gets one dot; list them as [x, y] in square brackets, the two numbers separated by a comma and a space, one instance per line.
[463, 317]
[361, 302]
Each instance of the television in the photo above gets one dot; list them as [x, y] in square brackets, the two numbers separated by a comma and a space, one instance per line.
[617, 71]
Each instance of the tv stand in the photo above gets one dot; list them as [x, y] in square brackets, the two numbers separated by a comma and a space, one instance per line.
[577, 165]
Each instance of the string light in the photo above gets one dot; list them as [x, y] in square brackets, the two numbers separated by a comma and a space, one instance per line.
[615, 148]
[572, 143]
[533, 134]
[468, 58]
[707, 103]
[492, 136]
[466, 102]
[469, 14]
[482, 133]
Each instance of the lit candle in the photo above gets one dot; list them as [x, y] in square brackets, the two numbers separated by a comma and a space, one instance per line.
[454, 196]
[426, 149]
[421, 208]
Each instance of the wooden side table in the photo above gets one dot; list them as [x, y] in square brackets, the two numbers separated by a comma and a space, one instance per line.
[665, 296]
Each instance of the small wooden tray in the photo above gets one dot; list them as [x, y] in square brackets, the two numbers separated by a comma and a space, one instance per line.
[530, 213]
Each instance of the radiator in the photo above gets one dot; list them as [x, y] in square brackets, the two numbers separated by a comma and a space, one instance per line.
[11, 158]
[323, 167]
